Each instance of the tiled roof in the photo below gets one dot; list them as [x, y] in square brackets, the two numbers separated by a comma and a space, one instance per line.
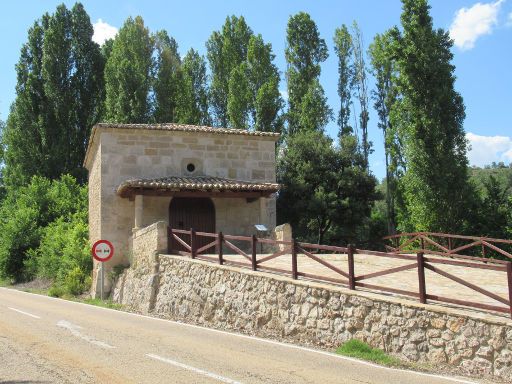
[197, 183]
[188, 128]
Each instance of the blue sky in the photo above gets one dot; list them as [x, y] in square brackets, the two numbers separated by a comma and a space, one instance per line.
[482, 54]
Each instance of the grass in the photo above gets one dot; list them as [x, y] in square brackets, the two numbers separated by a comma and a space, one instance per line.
[4, 282]
[359, 350]
[105, 303]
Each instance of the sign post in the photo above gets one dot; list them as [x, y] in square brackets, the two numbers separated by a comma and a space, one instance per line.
[102, 251]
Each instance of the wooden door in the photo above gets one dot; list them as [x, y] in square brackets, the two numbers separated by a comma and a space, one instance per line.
[186, 213]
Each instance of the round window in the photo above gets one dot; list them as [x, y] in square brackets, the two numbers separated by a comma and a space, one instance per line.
[191, 167]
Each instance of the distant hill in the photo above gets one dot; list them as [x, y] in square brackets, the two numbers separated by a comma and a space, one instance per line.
[502, 174]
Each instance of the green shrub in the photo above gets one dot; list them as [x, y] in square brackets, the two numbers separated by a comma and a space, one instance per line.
[56, 291]
[76, 282]
[43, 232]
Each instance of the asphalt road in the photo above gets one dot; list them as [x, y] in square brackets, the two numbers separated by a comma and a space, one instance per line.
[46, 340]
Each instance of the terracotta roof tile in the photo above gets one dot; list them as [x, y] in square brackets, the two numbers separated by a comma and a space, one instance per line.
[188, 128]
[196, 183]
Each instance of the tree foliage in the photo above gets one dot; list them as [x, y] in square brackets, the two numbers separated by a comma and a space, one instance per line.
[226, 50]
[339, 191]
[305, 51]
[29, 217]
[244, 90]
[193, 96]
[128, 72]
[166, 85]
[428, 118]
[384, 96]
[58, 98]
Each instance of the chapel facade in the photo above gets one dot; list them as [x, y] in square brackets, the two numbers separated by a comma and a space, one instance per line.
[209, 179]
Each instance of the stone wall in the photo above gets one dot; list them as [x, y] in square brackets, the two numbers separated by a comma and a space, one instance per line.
[139, 283]
[318, 314]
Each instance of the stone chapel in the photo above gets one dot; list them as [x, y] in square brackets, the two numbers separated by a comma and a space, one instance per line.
[209, 179]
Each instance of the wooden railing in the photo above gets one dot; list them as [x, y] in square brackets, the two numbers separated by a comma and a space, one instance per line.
[346, 275]
[445, 244]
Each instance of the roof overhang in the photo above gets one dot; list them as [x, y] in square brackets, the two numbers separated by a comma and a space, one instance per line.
[198, 186]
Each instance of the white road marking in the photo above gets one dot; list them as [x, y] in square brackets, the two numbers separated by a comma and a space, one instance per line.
[193, 369]
[25, 313]
[74, 329]
[258, 339]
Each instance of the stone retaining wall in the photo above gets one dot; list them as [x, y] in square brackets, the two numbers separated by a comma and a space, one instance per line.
[316, 314]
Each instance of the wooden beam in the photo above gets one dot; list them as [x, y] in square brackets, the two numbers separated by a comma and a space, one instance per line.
[169, 193]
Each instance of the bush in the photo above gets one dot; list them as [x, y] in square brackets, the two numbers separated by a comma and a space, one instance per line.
[43, 232]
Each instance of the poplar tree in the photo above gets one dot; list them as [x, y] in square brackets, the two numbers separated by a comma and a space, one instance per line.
[266, 101]
[305, 51]
[244, 91]
[192, 105]
[166, 82]
[226, 50]
[128, 73]
[428, 117]
[58, 98]
[384, 96]
[343, 49]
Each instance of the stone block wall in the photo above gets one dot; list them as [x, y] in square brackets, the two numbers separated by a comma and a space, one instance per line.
[139, 283]
[144, 153]
[322, 315]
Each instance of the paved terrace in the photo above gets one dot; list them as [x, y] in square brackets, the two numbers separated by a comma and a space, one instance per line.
[493, 281]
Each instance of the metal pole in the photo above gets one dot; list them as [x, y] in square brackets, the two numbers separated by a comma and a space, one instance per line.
[102, 278]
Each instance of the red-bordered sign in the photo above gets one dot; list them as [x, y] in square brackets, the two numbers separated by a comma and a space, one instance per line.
[102, 250]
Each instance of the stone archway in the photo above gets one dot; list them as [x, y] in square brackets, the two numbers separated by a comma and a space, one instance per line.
[191, 212]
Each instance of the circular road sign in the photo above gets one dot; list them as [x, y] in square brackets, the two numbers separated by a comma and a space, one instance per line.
[102, 250]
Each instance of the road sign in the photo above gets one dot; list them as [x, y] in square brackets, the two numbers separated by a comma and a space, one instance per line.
[102, 250]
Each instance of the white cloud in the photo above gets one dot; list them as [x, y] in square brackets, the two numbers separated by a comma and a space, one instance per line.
[509, 20]
[486, 149]
[471, 23]
[284, 94]
[103, 31]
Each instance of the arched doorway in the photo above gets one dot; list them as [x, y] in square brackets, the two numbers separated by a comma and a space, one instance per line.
[191, 212]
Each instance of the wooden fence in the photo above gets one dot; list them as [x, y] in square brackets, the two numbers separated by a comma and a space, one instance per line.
[346, 275]
[449, 245]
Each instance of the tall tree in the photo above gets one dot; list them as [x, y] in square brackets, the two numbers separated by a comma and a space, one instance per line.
[263, 75]
[58, 98]
[128, 74]
[192, 105]
[226, 50]
[428, 117]
[239, 97]
[166, 82]
[305, 51]
[384, 96]
[344, 50]
[361, 87]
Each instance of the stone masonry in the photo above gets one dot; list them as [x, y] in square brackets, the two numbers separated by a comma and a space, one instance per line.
[310, 313]
[117, 153]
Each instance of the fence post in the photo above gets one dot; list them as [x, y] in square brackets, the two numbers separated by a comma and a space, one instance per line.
[509, 277]
[421, 277]
[351, 275]
[220, 237]
[254, 242]
[294, 259]
[422, 241]
[193, 249]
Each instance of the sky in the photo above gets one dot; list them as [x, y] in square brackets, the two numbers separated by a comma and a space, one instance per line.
[482, 34]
